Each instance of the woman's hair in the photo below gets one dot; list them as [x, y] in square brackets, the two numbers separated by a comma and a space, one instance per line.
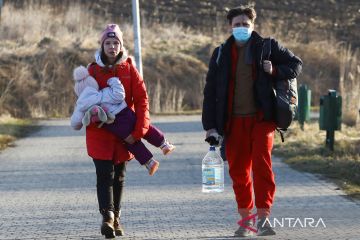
[241, 10]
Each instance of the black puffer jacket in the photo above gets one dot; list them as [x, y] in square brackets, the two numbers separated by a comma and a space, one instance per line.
[287, 65]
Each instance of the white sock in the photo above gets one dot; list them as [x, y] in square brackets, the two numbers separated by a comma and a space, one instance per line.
[149, 163]
[164, 144]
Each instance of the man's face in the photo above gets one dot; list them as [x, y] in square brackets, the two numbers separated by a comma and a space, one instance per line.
[242, 21]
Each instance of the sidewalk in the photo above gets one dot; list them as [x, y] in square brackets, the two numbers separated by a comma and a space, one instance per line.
[47, 191]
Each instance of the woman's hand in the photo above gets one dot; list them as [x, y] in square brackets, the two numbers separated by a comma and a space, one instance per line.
[130, 139]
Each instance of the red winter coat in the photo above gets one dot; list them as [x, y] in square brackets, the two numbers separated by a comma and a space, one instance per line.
[100, 143]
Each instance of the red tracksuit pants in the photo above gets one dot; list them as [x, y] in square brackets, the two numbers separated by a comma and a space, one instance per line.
[248, 149]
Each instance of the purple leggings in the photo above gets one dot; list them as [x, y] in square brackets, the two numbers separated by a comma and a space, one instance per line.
[122, 127]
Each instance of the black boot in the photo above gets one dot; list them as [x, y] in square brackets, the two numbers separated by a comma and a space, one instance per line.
[119, 231]
[107, 226]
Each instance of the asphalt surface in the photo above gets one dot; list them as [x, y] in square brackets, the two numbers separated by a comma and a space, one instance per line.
[47, 191]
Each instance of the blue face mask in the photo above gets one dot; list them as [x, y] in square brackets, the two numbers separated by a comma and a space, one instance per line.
[242, 34]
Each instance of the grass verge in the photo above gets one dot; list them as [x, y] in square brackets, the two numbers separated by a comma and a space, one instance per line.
[306, 151]
[12, 129]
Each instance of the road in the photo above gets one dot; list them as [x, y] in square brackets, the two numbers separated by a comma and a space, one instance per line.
[47, 189]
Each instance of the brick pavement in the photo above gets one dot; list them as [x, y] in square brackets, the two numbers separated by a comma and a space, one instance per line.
[47, 191]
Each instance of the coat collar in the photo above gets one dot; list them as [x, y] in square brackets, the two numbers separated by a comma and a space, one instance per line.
[255, 39]
[101, 64]
[254, 42]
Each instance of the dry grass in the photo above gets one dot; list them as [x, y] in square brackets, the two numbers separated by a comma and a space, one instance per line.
[78, 27]
[47, 44]
[306, 151]
[45, 49]
[180, 79]
[174, 39]
[320, 54]
[33, 24]
[11, 129]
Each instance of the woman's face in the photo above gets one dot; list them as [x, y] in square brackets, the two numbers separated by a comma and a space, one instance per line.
[112, 47]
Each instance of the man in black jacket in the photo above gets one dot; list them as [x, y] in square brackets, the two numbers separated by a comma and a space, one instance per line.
[239, 105]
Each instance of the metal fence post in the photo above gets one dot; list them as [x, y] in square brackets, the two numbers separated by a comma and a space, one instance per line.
[137, 37]
[304, 105]
[330, 116]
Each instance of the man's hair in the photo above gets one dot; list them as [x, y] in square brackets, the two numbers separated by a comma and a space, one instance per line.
[241, 10]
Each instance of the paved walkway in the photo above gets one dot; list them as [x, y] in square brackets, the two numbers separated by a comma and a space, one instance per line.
[47, 191]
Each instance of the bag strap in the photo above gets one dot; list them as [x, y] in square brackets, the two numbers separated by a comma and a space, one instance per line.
[219, 54]
[265, 55]
[266, 49]
[281, 131]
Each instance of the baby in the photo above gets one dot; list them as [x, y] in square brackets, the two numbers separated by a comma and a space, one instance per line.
[108, 106]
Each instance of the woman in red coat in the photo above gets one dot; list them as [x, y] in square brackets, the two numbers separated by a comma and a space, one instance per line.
[108, 152]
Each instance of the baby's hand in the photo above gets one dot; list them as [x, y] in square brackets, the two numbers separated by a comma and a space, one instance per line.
[95, 119]
[94, 114]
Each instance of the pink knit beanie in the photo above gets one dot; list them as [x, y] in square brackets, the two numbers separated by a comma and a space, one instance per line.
[111, 31]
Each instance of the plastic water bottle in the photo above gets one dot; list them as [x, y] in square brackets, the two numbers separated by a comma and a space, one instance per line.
[212, 172]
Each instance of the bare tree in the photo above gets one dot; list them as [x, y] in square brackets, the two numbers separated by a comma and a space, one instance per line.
[350, 84]
[4, 92]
